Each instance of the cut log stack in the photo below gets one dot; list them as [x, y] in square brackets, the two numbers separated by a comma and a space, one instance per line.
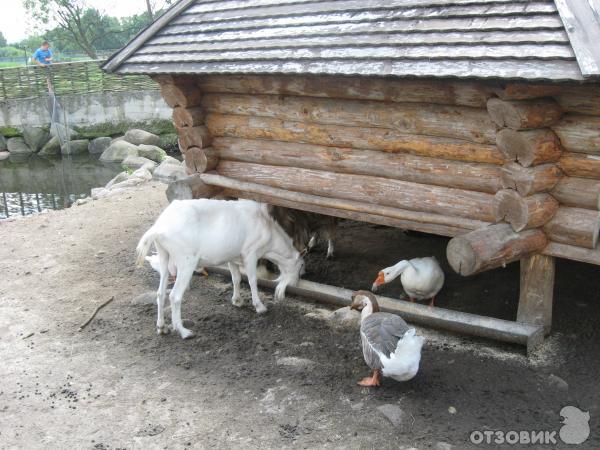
[183, 95]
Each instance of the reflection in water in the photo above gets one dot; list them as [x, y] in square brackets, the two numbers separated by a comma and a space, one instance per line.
[35, 184]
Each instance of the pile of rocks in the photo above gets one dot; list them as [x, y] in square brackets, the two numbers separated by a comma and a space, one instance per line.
[134, 149]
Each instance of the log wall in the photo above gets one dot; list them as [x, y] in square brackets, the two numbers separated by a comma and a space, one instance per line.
[405, 152]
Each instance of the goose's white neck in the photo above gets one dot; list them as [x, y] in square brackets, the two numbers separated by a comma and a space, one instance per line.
[397, 269]
[367, 310]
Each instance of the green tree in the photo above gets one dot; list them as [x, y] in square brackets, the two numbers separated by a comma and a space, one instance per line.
[85, 26]
[2, 40]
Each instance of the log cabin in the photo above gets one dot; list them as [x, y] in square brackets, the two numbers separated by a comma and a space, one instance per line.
[477, 120]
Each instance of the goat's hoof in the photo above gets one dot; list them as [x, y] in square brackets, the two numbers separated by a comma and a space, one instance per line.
[186, 334]
[238, 302]
[261, 309]
[162, 330]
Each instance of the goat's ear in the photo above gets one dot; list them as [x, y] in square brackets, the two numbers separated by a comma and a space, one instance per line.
[304, 251]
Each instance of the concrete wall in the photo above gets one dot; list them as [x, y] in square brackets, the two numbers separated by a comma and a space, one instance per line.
[88, 110]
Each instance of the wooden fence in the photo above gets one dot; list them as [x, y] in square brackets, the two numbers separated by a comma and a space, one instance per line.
[67, 78]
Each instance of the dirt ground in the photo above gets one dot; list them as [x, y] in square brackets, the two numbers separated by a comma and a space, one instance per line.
[285, 379]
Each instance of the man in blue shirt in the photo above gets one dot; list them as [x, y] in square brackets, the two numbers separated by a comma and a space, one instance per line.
[43, 55]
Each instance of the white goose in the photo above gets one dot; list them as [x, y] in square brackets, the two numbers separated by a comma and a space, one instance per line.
[421, 278]
[390, 347]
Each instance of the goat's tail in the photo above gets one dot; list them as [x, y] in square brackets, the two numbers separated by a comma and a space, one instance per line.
[143, 246]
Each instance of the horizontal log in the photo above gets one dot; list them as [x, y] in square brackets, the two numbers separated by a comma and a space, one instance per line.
[458, 122]
[586, 255]
[193, 137]
[180, 94]
[440, 172]
[491, 247]
[580, 165]
[188, 117]
[578, 192]
[525, 114]
[445, 92]
[382, 191]
[189, 188]
[529, 148]
[530, 180]
[199, 160]
[523, 212]
[582, 99]
[574, 226]
[579, 133]
[349, 209]
[382, 139]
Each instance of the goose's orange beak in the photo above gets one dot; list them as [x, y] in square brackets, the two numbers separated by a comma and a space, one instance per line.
[378, 281]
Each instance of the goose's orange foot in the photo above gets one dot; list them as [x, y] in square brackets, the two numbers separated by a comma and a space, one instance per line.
[372, 381]
[432, 302]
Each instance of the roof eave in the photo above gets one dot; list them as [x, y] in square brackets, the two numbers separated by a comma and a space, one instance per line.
[582, 24]
[113, 63]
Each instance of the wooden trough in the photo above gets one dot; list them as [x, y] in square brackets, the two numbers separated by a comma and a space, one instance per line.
[480, 124]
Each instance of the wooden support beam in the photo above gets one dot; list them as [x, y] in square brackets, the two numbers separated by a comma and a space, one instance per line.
[469, 124]
[199, 160]
[537, 291]
[580, 165]
[530, 180]
[578, 192]
[419, 169]
[574, 226]
[447, 92]
[524, 115]
[523, 212]
[349, 209]
[491, 247]
[188, 117]
[189, 188]
[579, 133]
[376, 190]
[194, 137]
[586, 255]
[529, 148]
[370, 138]
[530, 336]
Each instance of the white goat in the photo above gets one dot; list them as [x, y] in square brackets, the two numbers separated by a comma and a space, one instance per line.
[214, 232]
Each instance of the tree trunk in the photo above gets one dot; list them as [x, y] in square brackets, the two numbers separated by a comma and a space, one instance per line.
[527, 181]
[524, 212]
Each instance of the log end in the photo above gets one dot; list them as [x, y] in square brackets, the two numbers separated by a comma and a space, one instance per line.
[461, 256]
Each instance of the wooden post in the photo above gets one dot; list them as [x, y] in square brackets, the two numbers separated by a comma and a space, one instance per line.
[537, 286]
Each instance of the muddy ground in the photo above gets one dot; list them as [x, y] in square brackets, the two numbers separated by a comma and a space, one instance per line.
[116, 384]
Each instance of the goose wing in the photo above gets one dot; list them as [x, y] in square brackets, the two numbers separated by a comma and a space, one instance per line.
[380, 333]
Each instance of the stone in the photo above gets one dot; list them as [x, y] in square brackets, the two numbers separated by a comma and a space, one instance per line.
[17, 146]
[147, 298]
[118, 151]
[152, 152]
[51, 148]
[443, 446]
[135, 162]
[35, 137]
[170, 160]
[60, 131]
[142, 174]
[98, 145]
[117, 139]
[396, 416]
[138, 137]
[293, 361]
[345, 316]
[77, 147]
[4, 155]
[122, 176]
[2, 143]
[558, 383]
[452, 410]
[167, 172]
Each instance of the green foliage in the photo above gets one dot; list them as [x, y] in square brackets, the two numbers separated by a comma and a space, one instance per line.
[2, 40]
[11, 52]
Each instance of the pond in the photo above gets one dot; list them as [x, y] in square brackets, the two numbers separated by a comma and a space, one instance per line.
[36, 184]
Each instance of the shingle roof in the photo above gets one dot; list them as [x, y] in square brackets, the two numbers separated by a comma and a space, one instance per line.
[513, 39]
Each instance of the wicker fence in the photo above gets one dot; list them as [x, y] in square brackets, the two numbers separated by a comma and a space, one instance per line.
[67, 78]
